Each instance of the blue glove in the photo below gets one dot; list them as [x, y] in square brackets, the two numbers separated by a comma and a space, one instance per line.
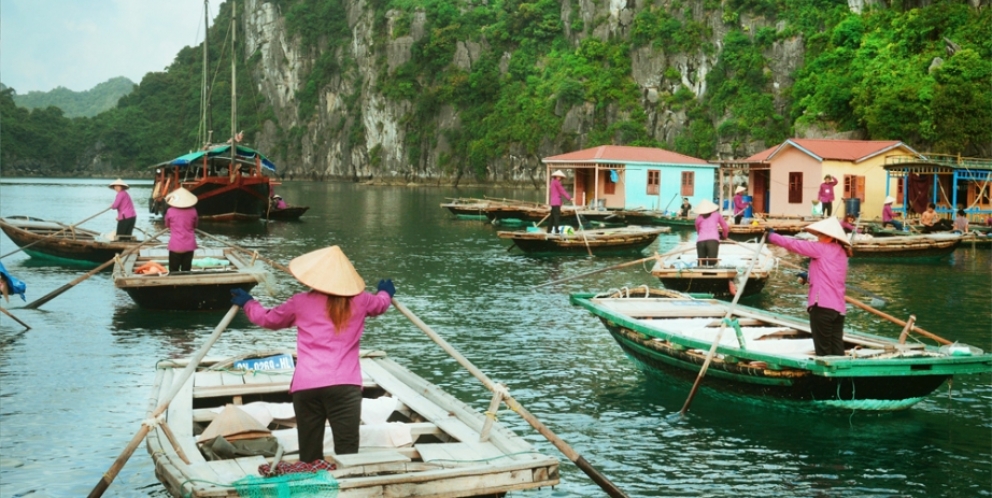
[240, 297]
[770, 231]
[803, 277]
[387, 285]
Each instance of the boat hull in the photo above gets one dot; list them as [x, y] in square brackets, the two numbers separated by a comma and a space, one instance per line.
[186, 297]
[919, 247]
[83, 249]
[719, 287]
[609, 241]
[290, 213]
[220, 199]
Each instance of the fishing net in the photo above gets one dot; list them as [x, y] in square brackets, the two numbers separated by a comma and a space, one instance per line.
[318, 484]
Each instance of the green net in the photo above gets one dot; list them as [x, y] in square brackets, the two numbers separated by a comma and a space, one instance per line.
[319, 484]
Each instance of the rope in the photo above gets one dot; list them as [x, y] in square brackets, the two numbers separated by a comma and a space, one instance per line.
[154, 422]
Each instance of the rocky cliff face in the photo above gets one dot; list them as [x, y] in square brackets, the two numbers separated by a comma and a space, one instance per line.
[359, 134]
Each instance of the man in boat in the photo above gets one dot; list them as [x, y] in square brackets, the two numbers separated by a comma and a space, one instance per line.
[126, 216]
[329, 320]
[685, 208]
[888, 218]
[933, 223]
[556, 192]
[278, 203]
[826, 195]
[181, 220]
[710, 230]
[827, 281]
[740, 205]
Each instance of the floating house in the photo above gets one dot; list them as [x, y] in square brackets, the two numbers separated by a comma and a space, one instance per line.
[785, 179]
[626, 177]
[950, 182]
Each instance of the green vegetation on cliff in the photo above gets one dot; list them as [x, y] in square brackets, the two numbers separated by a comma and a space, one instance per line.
[88, 103]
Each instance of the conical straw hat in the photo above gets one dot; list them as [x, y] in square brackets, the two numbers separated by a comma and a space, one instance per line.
[181, 198]
[119, 182]
[558, 173]
[234, 423]
[739, 190]
[889, 200]
[829, 227]
[706, 206]
[329, 271]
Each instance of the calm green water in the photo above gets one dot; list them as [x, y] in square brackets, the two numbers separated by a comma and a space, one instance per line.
[73, 390]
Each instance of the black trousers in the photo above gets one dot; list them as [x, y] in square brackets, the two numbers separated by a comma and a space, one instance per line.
[828, 208]
[738, 218]
[180, 261]
[827, 326]
[555, 219]
[126, 226]
[707, 251]
[339, 405]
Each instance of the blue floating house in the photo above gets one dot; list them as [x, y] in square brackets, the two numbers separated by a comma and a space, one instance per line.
[626, 177]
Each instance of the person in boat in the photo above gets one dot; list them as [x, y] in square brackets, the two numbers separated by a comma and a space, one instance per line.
[932, 222]
[181, 220]
[685, 208]
[126, 216]
[740, 205]
[848, 223]
[888, 217]
[711, 228]
[278, 203]
[556, 192]
[826, 195]
[827, 279]
[329, 320]
[961, 222]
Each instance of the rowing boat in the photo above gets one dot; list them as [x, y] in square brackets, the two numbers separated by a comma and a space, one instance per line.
[909, 247]
[286, 213]
[62, 243]
[682, 272]
[215, 272]
[469, 208]
[768, 356]
[599, 241]
[657, 218]
[416, 440]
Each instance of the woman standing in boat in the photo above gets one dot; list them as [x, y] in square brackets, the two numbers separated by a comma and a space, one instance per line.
[329, 320]
[827, 280]
[740, 205]
[126, 216]
[555, 193]
[181, 219]
[710, 230]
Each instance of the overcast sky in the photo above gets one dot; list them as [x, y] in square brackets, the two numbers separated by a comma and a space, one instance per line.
[79, 43]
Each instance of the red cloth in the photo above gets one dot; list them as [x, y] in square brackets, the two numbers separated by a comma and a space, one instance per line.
[297, 467]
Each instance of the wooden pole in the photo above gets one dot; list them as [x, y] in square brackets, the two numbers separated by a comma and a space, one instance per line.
[5, 312]
[163, 405]
[601, 270]
[55, 293]
[274, 264]
[582, 230]
[70, 227]
[895, 320]
[723, 324]
[603, 482]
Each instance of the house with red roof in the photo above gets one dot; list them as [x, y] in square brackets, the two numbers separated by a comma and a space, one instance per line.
[785, 179]
[627, 177]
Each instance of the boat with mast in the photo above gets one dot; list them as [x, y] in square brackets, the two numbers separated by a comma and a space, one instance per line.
[229, 180]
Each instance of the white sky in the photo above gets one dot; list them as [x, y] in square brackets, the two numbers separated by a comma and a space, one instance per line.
[80, 43]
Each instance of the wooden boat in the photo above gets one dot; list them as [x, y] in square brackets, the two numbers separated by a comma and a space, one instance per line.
[682, 272]
[287, 213]
[757, 227]
[433, 445]
[599, 241]
[75, 245]
[517, 214]
[658, 218]
[469, 208]
[773, 359]
[208, 286]
[909, 247]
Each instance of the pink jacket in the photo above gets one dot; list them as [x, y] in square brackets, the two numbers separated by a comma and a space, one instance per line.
[887, 213]
[827, 270]
[826, 193]
[124, 206]
[182, 228]
[326, 356]
[557, 191]
[709, 228]
[740, 205]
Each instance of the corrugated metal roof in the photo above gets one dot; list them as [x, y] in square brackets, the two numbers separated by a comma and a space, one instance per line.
[841, 150]
[624, 153]
[763, 155]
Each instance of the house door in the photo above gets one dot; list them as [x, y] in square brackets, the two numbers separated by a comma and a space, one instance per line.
[759, 191]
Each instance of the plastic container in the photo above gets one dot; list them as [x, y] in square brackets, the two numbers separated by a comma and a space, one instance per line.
[748, 212]
[852, 206]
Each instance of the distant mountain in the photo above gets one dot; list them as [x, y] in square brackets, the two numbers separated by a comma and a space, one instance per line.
[88, 103]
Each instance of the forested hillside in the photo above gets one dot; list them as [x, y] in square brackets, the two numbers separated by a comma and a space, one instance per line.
[89, 103]
[449, 91]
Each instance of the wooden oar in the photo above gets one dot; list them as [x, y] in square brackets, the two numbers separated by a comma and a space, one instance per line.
[603, 482]
[163, 405]
[614, 267]
[583, 231]
[882, 314]
[5, 312]
[273, 263]
[723, 325]
[70, 227]
[55, 293]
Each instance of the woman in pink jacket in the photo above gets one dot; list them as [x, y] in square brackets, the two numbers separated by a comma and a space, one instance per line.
[555, 193]
[126, 216]
[827, 281]
[329, 321]
[711, 228]
[181, 220]
[826, 195]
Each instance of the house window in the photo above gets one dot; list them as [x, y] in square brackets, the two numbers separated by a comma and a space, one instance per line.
[654, 181]
[688, 183]
[796, 188]
[854, 188]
